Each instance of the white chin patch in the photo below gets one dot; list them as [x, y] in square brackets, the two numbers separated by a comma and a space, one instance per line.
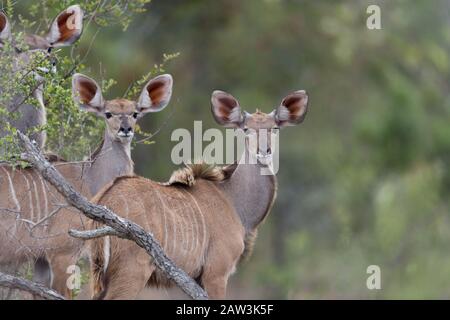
[264, 159]
[125, 135]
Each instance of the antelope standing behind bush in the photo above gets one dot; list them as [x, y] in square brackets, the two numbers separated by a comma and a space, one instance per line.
[65, 30]
[205, 218]
[34, 217]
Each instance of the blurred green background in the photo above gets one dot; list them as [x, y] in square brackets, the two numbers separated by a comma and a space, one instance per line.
[364, 180]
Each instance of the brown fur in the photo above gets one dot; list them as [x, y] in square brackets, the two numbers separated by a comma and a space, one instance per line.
[97, 264]
[205, 218]
[129, 268]
[252, 193]
[37, 199]
[190, 223]
[188, 176]
[19, 240]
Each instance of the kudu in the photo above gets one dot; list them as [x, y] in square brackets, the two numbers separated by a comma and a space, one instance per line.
[205, 218]
[65, 30]
[26, 199]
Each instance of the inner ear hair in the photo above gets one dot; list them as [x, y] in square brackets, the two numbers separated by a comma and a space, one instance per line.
[5, 32]
[3, 21]
[87, 93]
[226, 109]
[86, 89]
[67, 27]
[156, 94]
[292, 109]
[65, 31]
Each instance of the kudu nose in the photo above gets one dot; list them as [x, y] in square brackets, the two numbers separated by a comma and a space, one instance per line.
[125, 129]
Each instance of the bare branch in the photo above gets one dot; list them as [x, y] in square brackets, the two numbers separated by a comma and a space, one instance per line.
[97, 233]
[49, 216]
[36, 289]
[126, 228]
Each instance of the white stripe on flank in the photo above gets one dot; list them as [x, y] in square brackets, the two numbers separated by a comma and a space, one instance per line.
[183, 240]
[106, 252]
[164, 244]
[195, 245]
[52, 276]
[195, 230]
[44, 192]
[202, 218]
[173, 222]
[165, 226]
[190, 245]
[30, 196]
[187, 211]
[38, 202]
[127, 209]
[175, 234]
[12, 190]
[187, 232]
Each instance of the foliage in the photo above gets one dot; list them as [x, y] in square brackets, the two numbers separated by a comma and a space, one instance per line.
[71, 133]
[364, 180]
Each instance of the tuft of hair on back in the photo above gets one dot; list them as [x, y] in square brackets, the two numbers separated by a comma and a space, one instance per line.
[192, 172]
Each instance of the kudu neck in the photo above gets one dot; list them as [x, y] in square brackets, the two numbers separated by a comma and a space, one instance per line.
[112, 161]
[251, 191]
[113, 146]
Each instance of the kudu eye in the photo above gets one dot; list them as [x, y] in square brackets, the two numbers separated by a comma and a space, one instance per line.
[108, 115]
[135, 115]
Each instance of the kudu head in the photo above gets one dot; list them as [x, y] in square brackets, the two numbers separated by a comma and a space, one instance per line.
[32, 57]
[259, 127]
[65, 30]
[121, 115]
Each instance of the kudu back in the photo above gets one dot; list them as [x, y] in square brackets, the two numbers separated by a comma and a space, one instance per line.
[35, 217]
[205, 217]
[65, 30]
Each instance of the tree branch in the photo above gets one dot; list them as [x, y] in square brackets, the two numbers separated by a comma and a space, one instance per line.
[97, 233]
[36, 289]
[126, 228]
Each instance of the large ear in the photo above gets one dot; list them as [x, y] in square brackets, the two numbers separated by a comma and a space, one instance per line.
[156, 94]
[5, 27]
[226, 110]
[87, 93]
[292, 109]
[66, 28]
